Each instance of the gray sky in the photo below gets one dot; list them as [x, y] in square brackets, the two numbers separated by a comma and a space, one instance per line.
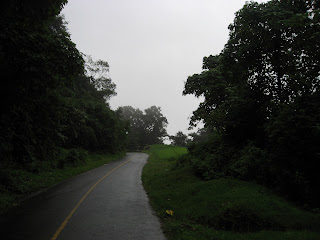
[152, 46]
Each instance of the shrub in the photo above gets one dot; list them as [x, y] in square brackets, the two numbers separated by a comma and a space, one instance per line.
[252, 163]
[73, 158]
[242, 219]
[211, 159]
[146, 148]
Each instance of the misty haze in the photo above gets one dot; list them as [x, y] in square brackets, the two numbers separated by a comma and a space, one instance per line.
[173, 119]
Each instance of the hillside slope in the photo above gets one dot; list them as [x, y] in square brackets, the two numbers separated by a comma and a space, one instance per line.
[221, 209]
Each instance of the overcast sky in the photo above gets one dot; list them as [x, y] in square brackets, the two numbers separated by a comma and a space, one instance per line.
[152, 46]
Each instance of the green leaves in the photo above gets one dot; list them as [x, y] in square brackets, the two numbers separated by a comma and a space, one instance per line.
[98, 73]
[48, 101]
[180, 139]
[146, 128]
[259, 97]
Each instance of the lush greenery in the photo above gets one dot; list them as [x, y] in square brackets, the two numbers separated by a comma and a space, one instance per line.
[52, 96]
[180, 139]
[145, 127]
[19, 183]
[262, 100]
[224, 209]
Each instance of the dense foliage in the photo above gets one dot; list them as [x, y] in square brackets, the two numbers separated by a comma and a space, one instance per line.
[145, 128]
[262, 100]
[50, 97]
[180, 139]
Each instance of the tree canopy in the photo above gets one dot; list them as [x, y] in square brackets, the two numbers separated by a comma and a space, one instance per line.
[98, 73]
[48, 98]
[180, 139]
[145, 127]
[261, 99]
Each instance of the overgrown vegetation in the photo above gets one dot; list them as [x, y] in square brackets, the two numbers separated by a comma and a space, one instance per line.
[224, 208]
[180, 139]
[51, 98]
[262, 101]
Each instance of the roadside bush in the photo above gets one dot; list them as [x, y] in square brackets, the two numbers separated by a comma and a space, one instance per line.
[76, 156]
[209, 167]
[242, 219]
[252, 164]
[88, 137]
[211, 159]
[146, 148]
[73, 158]
[15, 181]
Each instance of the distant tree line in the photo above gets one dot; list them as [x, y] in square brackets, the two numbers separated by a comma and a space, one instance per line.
[262, 100]
[180, 139]
[50, 96]
[145, 127]
[183, 140]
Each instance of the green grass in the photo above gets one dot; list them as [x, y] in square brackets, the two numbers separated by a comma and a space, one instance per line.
[221, 209]
[17, 184]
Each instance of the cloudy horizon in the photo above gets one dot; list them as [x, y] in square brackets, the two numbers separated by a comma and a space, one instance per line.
[152, 47]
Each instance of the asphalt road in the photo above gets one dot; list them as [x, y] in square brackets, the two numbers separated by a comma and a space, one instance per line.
[108, 202]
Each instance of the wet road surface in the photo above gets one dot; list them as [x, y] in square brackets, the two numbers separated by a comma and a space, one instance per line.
[108, 202]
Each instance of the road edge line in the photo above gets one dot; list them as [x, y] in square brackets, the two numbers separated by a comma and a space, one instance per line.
[62, 226]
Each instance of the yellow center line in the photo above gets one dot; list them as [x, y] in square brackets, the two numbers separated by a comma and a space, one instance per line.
[79, 203]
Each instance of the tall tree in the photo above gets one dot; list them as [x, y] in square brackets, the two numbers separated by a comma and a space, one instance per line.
[148, 127]
[47, 100]
[136, 130]
[155, 125]
[98, 73]
[261, 98]
[36, 58]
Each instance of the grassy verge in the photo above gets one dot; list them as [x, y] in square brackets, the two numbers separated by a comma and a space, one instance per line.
[223, 209]
[17, 184]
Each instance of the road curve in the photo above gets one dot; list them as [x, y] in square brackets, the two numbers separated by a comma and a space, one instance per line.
[108, 202]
